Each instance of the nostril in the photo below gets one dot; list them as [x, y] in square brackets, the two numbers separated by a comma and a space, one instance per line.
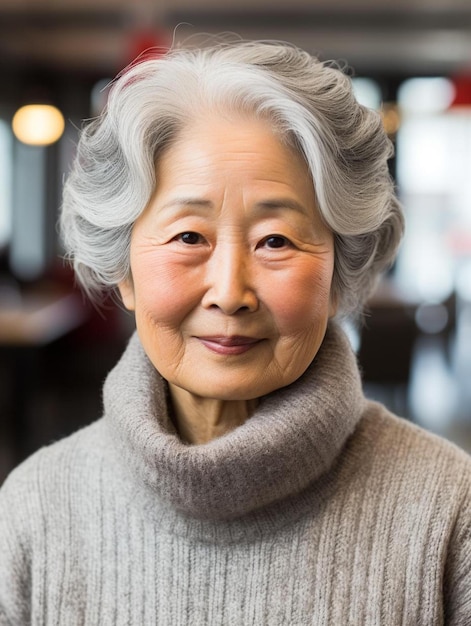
[228, 310]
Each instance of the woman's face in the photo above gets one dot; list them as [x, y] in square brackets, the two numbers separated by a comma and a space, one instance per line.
[231, 264]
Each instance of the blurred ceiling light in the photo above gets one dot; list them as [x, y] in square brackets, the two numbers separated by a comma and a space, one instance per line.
[38, 124]
[391, 118]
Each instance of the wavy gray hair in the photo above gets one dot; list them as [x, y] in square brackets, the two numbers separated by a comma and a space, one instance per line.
[310, 105]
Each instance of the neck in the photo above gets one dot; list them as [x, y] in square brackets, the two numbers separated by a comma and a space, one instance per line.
[199, 420]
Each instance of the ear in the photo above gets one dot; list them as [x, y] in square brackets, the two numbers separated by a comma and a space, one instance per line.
[126, 290]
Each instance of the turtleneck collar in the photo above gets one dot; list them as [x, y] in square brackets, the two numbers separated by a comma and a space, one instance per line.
[294, 437]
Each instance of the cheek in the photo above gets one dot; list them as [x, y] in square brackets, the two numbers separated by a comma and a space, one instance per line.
[163, 291]
[302, 299]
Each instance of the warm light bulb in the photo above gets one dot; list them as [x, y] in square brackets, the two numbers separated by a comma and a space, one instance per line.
[391, 118]
[38, 124]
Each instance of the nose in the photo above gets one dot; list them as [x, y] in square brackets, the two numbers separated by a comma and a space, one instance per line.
[229, 281]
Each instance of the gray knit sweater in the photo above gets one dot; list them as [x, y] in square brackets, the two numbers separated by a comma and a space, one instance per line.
[323, 508]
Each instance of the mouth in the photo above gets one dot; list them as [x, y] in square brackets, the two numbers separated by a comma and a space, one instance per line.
[233, 345]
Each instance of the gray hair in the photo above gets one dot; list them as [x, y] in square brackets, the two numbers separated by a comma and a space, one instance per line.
[308, 102]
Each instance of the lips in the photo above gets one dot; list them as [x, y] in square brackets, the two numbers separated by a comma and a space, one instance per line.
[234, 345]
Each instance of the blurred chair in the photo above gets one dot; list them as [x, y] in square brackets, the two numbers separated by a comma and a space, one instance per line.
[387, 340]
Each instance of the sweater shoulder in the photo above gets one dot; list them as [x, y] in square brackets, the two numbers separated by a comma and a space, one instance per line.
[37, 501]
[397, 428]
[51, 465]
[398, 441]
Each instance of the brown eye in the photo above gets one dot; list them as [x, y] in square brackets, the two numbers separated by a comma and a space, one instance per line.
[276, 241]
[190, 238]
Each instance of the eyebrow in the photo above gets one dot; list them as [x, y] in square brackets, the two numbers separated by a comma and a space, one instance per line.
[186, 202]
[282, 203]
[274, 204]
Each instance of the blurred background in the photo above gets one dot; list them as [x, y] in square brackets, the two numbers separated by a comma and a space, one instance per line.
[410, 59]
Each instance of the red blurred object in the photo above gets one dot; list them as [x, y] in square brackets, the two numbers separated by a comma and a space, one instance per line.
[462, 86]
[147, 44]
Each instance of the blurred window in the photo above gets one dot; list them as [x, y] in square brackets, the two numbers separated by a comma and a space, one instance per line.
[433, 174]
[367, 92]
[28, 248]
[6, 142]
[99, 96]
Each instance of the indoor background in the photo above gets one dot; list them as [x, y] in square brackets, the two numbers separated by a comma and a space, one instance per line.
[410, 59]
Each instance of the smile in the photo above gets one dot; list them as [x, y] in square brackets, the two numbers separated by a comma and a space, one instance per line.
[229, 345]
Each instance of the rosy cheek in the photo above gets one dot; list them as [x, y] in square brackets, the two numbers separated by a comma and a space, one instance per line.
[294, 316]
[166, 292]
[302, 299]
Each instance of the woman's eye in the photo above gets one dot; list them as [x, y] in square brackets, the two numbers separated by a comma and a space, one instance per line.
[276, 241]
[191, 238]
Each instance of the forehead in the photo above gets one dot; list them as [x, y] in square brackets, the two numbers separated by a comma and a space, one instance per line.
[226, 166]
[231, 143]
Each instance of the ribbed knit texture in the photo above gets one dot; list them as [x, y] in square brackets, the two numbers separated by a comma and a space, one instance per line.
[323, 508]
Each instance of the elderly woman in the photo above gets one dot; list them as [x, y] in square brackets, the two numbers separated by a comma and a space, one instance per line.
[238, 197]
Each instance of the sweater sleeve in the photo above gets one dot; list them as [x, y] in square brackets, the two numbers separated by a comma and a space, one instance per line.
[15, 552]
[458, 569]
